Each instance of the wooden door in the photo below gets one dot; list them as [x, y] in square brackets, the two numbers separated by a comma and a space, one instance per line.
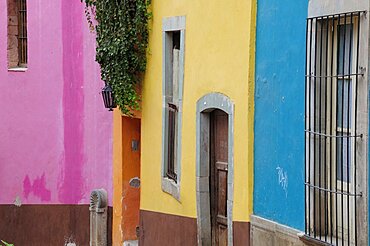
[130, 198]
[218, 176]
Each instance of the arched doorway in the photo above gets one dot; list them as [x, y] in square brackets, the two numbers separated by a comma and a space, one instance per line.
[214, 169]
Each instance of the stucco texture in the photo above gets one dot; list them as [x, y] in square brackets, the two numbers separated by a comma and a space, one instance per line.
[279, 112]
[55, 135]
[219, 57]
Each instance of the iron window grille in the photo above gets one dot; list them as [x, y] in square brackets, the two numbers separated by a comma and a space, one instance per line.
[331, 98]
[172, 122]
[22, 33]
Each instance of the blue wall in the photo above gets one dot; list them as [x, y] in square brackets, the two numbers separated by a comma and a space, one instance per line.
[279, 111]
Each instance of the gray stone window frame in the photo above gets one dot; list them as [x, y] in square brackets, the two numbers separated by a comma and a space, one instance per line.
[329, 7]
[205, 106]
[172, 24]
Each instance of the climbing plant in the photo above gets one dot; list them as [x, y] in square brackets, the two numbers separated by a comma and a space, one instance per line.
[121, 28]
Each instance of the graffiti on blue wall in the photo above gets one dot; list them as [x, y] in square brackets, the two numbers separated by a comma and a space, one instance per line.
[279, 112]
[283, 179]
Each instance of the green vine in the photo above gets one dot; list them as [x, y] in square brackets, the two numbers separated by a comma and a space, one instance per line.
[121, 28]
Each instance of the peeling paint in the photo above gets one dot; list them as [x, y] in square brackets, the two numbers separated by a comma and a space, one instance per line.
[135, 182]
[33, 141]
[18, 201]
[37, 188]
[279, 105]
[69, 241]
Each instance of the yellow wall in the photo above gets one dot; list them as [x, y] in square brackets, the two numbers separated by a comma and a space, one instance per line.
[219, 57]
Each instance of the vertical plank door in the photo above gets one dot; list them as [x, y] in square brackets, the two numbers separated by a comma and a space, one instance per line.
[218, 176]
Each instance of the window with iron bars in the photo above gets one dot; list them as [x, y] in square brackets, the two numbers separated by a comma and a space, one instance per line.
[17, 34]
[22, 33]
[331, 114]
[172, 130]
[172, 105]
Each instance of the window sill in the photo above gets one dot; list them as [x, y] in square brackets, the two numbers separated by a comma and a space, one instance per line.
[17, 69]
[169, 186]
[307, 240]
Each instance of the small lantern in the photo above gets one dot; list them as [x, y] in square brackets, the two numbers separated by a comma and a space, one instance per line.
[108, 97]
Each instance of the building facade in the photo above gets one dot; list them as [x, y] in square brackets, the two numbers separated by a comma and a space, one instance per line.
[196, 127]
[56, 136]
[311, 124]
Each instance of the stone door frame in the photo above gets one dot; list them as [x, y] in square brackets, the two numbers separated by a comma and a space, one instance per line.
[205, 105]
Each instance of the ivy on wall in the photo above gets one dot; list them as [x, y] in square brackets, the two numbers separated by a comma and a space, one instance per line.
[121, 28]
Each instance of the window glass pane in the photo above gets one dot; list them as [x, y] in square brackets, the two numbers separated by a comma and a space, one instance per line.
[344, 90]
[344, 158]
[175, 76]
[344, 42]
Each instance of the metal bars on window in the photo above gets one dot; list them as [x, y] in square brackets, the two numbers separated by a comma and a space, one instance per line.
[172, 118]
[22, 33]
[332, 77]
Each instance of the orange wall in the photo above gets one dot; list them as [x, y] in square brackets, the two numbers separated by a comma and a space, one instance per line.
[126, 200]
[131, 169]
[117, 232]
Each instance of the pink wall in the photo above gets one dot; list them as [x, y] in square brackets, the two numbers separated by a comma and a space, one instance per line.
[55, 135]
